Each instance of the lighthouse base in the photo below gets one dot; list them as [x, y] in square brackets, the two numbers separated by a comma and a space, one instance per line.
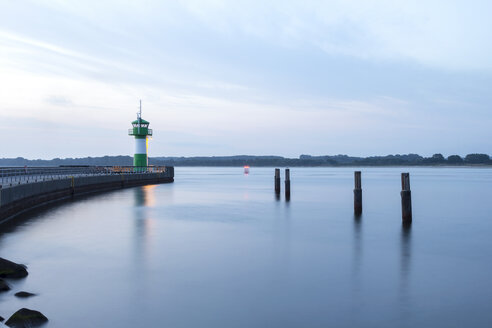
[140, 160]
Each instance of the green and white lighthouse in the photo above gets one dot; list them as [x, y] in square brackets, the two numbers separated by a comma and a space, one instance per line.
[141, 132]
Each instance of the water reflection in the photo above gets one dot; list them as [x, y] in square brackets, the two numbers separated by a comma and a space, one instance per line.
[282, 245]
[405, 262]
[145, 196]
[357, 255]
[357, 243]
[144, 200]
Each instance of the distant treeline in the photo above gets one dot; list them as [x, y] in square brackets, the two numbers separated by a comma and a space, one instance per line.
[241, 160]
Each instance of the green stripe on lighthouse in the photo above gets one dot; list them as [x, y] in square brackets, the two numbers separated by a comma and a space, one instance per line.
[140, 160]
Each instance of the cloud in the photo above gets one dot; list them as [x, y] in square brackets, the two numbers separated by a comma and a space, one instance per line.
[443, 34]
[59, 101]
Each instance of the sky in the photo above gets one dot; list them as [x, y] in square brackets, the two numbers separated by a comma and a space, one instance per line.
[356, 77]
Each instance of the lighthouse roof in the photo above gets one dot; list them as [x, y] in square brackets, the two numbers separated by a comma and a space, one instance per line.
[142, 121]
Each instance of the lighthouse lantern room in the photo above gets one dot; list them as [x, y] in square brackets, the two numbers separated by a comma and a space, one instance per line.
[141, 132]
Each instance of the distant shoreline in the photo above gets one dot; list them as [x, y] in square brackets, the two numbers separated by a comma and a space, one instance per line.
[437, 160]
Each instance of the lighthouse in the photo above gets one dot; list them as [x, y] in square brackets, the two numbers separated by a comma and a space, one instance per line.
[141, 132]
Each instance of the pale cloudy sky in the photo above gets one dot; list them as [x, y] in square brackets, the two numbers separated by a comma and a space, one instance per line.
[357, 77]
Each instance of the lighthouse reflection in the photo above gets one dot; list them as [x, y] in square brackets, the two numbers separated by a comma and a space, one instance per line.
[144, 196]
[144, 201]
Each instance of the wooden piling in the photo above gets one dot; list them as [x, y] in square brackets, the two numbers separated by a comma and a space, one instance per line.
[357, 193]
[277, 181]
[287, 184]
[406, 198]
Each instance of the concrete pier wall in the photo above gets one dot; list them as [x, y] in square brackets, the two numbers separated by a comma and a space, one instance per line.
[23, 197]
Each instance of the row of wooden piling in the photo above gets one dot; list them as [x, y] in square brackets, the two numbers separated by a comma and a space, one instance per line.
[406, 194]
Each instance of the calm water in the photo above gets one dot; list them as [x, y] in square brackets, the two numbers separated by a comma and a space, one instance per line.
[217, 249]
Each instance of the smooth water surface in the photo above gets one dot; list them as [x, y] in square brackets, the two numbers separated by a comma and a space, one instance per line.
[217, 249]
